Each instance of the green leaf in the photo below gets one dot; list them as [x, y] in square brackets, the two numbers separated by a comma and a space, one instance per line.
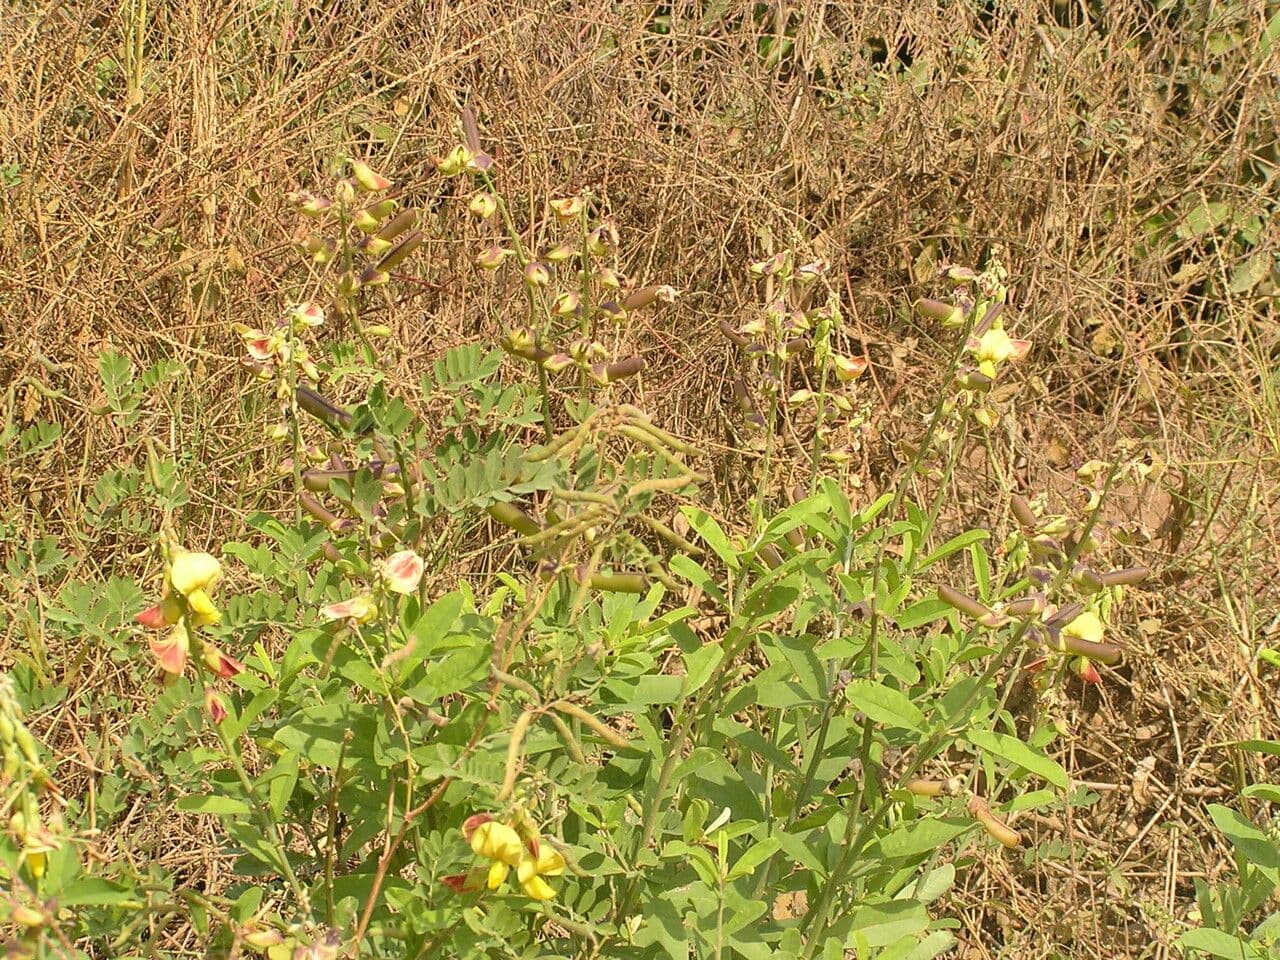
[885, 705]
[94, 892]
[216, 805]
[922, 836]
[882, 924]
[699, 666]
[1017, 752]
[954, 545]
[758, 854]
[1219, 944]
[1250, 842]
[705, 526]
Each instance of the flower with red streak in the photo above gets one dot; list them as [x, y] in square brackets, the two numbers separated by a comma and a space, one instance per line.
[172, 651]
[221, 663]
[849, 368]
[216, 706]
[470, 882]
[360, 609]
[1086, 671]
[403, 571]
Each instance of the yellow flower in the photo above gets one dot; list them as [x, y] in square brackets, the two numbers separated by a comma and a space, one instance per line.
[995, 347]
[194, 575]
[531, 869]
[497, 841]
[1087, 626]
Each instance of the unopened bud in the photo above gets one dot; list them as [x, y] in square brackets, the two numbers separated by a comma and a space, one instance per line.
[491, 258]
[483, 204]
[367, 178]
[536, 274]
[601, 240]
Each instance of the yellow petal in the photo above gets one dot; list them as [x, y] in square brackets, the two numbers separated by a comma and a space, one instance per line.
[1087, 626]
[550, 862]
[996, 346]
[497, 873]
[203, 612]
[537, 889]
[193, 571]
[497, 841]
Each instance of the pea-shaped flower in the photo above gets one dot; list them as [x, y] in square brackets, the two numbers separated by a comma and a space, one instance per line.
[194, 576]
[539, 860]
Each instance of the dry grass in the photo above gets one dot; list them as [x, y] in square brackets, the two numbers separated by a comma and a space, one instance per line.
[153, 147]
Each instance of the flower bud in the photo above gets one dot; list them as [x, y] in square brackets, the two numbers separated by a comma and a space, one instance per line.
[345, 193]
[454, 162]
[309, 203]
[1086, 671]
[947, 314]
[483, 205]
[367, 178]
[849, 368]
[215, 705]
[568, 208]
[959, 274]
[536, 275]
[567, 304]
[612, 310]
[491, 258]
[602, 240]
[608, 277]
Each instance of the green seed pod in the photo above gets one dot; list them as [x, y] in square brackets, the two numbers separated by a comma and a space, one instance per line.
[333, 417]
[925, 788]
[962, 602]
[659, 485]
[12, 763]
[654, 566]
[317, 510]
[513, 755]
[606, 373]
[1107, 653]
[1028, 607]
[27, 744]
[603, 730]
[1085, 579]
[620, 582]
[512, 516]
[397, 225]
[671, 537]
[546, 452]
[6, 727]
[570, 741]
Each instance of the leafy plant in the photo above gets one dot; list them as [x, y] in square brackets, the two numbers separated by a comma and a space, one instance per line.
[515, 695]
